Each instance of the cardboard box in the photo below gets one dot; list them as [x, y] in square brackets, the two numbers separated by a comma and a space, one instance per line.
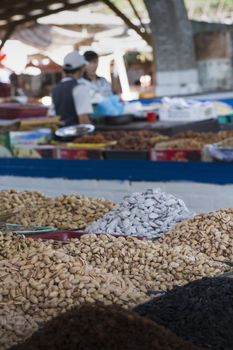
[35, 151]
[5, 145]
[126, 155]
[12, 110]
[33, 137]
[176, 155]
[74, 153]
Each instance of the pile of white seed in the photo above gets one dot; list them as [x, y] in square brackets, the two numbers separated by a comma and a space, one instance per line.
[148, 214]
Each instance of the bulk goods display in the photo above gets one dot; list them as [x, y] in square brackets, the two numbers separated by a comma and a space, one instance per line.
[71, 290]
[146, 144]
[14, 327]
[103, 327]
[208, 233]
[153, 265]
[64, 212]
[200, 312]
[148, 214]
[43, 282]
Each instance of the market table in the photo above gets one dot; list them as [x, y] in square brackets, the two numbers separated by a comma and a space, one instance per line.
[134, 170]
[167, 128]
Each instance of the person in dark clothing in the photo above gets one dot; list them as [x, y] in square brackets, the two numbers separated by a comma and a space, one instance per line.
[71, 100]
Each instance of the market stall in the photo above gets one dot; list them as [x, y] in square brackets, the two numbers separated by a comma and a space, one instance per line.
[114, 146]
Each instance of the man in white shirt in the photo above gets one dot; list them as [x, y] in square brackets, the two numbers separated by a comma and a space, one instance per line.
[71, 100]
[99, 87]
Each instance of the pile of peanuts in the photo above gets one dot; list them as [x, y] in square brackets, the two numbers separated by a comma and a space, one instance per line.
[190, 140]
[64, 212]
[42, 282]
[14, 328]
[153, 265]
[227, 143]
[143, 143]
[12, 199]
[210, 234]
[191, 144]
[205, 137]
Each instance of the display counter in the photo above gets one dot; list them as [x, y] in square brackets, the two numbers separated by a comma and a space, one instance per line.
[166, 128]
[135, 170]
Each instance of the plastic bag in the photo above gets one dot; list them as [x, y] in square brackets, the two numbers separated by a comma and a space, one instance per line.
[220, 154]
[110, 106]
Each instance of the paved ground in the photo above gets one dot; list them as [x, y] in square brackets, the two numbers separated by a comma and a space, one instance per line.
[198, 197]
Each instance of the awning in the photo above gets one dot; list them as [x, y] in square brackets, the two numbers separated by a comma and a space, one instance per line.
[48, 37]
[19, 12]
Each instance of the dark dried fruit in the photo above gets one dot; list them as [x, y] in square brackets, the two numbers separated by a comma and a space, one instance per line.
[98, 327]
[201, 312]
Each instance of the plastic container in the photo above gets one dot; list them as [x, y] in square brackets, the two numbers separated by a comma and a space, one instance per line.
[16, 110]
[220, 153]
[177, 111]
[66, 235]
[151, 117]
[171, 129]
[30, 230]
[225, 119]
[33, 137]
[57, 235]
[118, 120]
[181, 155]
[126, 155]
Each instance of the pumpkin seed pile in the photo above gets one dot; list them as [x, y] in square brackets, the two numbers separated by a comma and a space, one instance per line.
[201, 312]
[103, 327]
[149, 214]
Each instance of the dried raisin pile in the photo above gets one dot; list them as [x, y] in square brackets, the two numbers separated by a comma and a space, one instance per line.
[201, 312]
[98, 327]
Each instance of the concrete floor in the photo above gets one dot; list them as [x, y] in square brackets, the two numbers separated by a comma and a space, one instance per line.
[198, 197]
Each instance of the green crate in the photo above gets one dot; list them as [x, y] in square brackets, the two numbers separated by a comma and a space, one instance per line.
[22, 230]
[225, 119]
[5, 144]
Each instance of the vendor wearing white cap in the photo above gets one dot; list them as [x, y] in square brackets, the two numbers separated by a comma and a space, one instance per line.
[71, 100]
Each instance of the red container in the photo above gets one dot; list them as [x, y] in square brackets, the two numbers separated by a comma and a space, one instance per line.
[176, 155]
[57, 235]
[65, 235]
[5, 90]
[16, 110]
[75, 153]
[35, 151]
[151, 117]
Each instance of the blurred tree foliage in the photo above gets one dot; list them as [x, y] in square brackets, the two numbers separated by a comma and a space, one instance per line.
[212, 9]
[197, 9]
[124, 6]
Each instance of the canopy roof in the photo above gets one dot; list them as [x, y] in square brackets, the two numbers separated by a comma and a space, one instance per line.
[14, 13]
[18, 12]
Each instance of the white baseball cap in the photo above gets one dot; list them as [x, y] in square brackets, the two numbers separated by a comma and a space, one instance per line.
[73, 60]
